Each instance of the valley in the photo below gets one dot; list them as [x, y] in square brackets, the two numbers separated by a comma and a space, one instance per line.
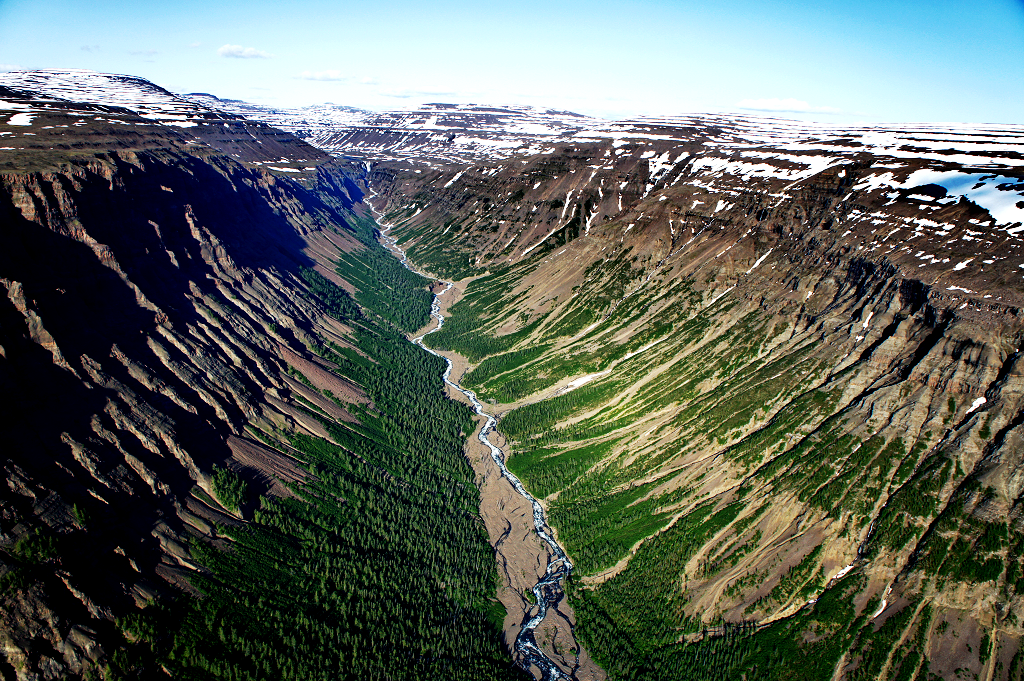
[223, 458]
[768, 437]
[560, 656]
[722, 397]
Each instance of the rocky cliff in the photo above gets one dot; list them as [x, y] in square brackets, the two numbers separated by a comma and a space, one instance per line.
[217, 462]
[766, 378]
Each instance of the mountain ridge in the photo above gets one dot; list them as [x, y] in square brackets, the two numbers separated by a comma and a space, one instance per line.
[764, 375]
[207, 397]
[774, 271]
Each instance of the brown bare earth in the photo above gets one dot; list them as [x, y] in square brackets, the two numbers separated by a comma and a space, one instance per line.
[322, 378]
[522, 560]
[277, 468]
[522, 556]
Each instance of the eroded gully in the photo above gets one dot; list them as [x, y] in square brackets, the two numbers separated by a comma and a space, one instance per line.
[548, 590]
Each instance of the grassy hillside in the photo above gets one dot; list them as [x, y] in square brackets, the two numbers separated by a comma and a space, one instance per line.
[757, 478]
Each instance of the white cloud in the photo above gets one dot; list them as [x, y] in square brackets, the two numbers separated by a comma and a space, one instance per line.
[239, 52]
[785, 106]
[9, 67]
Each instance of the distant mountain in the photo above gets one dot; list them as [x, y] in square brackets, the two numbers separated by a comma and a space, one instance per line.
[131, 102]
[433, 133]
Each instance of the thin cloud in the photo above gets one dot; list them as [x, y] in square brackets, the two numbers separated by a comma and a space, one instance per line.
[785, 106]
[9, 67]
[333, 75]
[329, 75]
[90, 48]
[239, 52]
[404, 93]
[195, 44]
[144, 53]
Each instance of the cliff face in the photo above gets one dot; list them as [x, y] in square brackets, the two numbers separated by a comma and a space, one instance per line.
[152, 307]
[765, 378]
[223, 458]
[769, 387]
[51, 115]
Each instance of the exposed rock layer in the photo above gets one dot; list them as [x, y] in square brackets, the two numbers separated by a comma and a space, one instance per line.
[822, 353]
[151, 310]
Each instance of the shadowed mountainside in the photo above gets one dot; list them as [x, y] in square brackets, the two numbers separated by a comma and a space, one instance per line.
[222, 458]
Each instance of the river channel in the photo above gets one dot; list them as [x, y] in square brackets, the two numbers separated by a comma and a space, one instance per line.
[547, 591]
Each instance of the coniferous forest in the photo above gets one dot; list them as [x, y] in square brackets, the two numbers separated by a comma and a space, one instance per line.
[379, 566]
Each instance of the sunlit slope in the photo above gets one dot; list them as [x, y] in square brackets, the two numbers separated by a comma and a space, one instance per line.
[741, 394]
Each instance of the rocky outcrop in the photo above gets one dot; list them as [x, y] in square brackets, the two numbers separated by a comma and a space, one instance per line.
[799, 359]
[151, 309]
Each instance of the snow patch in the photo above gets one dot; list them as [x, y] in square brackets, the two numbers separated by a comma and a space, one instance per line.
[454, 179]
[583, 380]
[845, 571]
[884, 603]
[997, 194]
[759, 261]
[20, 119]
[977, 403]
[715, 299]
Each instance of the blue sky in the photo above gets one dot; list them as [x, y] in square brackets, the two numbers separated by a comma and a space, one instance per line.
[839, 62]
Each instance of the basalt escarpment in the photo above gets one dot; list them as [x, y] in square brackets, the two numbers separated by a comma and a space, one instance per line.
[50, 116]
[152, 307]
[222, 457]
[765, 378]
[769, 390]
